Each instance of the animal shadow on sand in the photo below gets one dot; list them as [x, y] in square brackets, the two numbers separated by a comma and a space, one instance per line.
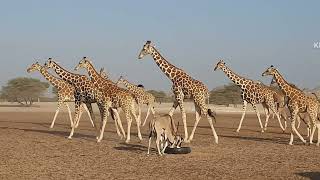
[259, 139]
[137, 148]
[310, 175]
[53, 132]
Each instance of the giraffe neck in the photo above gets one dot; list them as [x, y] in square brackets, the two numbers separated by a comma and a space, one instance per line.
[95, 77]
[129, 85]
[66, 75]
[283, 84]
[167, 68]
[238, 80]
[49, 77]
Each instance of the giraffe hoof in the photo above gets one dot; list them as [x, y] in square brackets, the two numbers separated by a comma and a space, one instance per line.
[69, 137]
[127, 141]
[237, 131]
[262, 131]
[265, 129]
[51, 127]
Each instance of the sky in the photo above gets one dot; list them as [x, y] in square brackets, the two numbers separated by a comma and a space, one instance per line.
[250, 35]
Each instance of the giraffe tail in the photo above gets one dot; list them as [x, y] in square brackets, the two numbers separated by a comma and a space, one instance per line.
[112, 114]
[212, 114]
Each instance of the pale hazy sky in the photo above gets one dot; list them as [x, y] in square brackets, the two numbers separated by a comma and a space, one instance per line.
[193, 35]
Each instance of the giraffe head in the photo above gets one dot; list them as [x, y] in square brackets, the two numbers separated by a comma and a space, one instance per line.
[103, 73]
[271, 71]
[34, 67]
[147, 49]
[120, 80]
[49, 64]
[83, 63]
[220, 65]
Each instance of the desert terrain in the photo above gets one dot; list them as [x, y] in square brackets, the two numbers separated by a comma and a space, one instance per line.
[30, 150]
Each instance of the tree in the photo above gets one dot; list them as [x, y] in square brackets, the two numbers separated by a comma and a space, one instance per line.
[228, 94]
[23, 90]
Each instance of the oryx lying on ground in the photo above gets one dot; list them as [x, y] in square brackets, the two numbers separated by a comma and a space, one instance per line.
[165, 131]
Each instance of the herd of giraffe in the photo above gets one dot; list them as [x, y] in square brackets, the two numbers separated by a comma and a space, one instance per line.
[288, 101]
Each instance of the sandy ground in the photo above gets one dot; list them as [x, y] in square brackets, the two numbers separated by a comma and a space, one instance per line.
[30, 150]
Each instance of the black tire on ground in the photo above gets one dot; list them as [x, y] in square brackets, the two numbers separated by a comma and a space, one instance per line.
[181, 150]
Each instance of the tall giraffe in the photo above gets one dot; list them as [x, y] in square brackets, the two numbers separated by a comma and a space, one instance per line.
[120, 98]
[142, 96]
[299, 102]
[65, 91]
[252, 92]
[184, 86]
[85, 92]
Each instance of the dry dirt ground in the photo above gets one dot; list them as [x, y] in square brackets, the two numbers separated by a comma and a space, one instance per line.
[30, 150]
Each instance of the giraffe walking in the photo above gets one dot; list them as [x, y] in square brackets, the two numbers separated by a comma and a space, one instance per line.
[299, 102]
[120, 98]
[65, 91]
[86, 92]
[184, 86]
[254, 93]
[142, 97]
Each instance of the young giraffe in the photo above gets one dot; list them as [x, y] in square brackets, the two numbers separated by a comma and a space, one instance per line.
[299, 102]
[184, 86]
[103, 74]
[142, 96]
[120, 98]
[65, 91]
[283, 107]
[85, 92]
[252, 92]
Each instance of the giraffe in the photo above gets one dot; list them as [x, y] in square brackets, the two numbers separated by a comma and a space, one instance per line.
[85, 92]
[103, 73]
[65, 91]
[299, 102]
[184, 86]
[252, 92]
[120, 98]
[283, 106]
[142, 96]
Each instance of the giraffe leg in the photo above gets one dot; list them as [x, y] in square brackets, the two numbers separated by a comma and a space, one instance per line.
[104, 122]
[245, 103]
[313, 119]
[267, 113]
[184, 120]
[293, 127]
[80, 114]
[139, 114]
[313, 129]
[274, 110]
[318, 127]
[70, 116]
[129, 121]
[138, 121]
[115, 111]
[89, 106]
[56, 114]
[88, 112]
[76, 116]
[173, 108]
[116, 123]
[198, 117]
[258, 114]
[149, 145]
[148, 112]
